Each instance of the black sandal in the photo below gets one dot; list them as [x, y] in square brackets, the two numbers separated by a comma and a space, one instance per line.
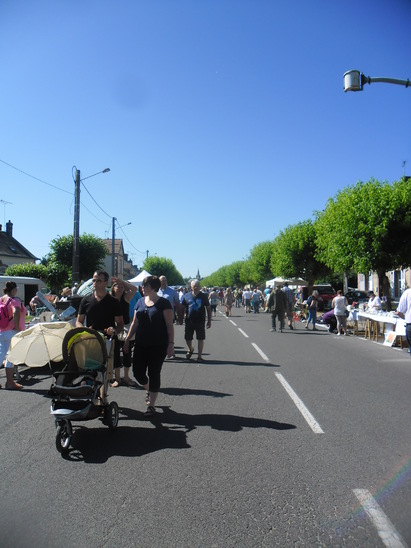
[150, 411]
[189, 354]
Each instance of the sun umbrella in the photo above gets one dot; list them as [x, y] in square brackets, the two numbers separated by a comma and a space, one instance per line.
[39, 345]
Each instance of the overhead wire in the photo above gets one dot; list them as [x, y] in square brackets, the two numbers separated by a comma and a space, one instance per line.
[36, 178]
[68, 192]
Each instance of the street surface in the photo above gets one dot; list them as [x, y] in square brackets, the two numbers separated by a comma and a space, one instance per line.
[299, 438]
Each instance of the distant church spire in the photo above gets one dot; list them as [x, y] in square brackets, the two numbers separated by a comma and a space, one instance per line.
[198, 274]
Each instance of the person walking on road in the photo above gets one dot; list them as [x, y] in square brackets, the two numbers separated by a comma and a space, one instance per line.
[404, 312]
[213, 298]
[277, 304]
[340, 303]
[228, 301]
[289, 293]
[153, 328]
[312, 305]
[247, 300]
[124, 292]
[171, 295]
[16, 316]
[196, 304]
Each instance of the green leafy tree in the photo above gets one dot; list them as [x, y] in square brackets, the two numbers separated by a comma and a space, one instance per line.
[233, 278]
[161, 266]
[293, 254]
[259, 262]
[247, 273]
[92, 251]
[367, 227]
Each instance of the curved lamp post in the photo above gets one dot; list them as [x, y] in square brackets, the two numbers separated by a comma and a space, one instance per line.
[75, 274]
[354, 81]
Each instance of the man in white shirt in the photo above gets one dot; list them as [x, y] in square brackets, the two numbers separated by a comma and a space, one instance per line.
[404, 311]
[247, 300]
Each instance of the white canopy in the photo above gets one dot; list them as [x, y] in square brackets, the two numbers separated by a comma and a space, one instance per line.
[138, 280]
[280, 281]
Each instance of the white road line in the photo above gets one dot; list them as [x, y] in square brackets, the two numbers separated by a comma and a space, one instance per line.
[231, 321]
[385, 528]
[315, 427]
[242, 333]
[260, 352]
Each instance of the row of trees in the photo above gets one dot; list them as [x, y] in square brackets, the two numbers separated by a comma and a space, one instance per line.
[364, 228]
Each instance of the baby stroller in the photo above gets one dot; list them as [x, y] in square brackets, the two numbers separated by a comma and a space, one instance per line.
[81, 387]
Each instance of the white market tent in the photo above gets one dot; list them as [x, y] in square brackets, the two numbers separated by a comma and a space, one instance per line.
[138, 280]
[280, 281]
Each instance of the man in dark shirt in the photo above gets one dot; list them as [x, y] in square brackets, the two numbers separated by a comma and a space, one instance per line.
[100, 310]
[196, 303]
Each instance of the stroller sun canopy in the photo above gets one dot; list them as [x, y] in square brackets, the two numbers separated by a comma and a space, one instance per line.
[85, 348]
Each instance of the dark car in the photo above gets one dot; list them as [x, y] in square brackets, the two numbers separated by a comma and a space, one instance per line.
[356, 296]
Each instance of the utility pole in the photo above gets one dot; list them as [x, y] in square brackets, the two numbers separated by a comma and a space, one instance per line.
[113, 246]
[76, 243]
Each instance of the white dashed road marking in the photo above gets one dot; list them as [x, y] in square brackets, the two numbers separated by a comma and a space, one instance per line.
[315, 427]
[260, 352]
[385, 528]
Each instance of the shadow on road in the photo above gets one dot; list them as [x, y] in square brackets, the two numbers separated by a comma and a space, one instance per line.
[193, 392]
[97, 445]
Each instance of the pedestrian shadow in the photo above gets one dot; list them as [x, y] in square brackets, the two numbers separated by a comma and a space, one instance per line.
[233, 362]
[168, 430]
[98, 445]
[193, 392]
[222, 422]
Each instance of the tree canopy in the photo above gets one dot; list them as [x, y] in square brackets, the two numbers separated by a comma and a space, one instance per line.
[293, 253]
[161, 266]
[366, 227]
[92, 252]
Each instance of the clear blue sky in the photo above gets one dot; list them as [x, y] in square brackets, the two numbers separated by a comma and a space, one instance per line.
[222, 121]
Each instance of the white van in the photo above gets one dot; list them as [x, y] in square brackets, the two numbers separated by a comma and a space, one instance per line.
[27, 287]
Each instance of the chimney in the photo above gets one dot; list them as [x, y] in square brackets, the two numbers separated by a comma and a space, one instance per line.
[9, 229]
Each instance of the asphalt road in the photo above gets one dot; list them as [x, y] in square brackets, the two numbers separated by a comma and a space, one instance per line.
[299, 438]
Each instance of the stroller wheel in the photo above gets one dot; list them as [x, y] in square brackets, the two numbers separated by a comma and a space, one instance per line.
[111, 415]
[63, 437]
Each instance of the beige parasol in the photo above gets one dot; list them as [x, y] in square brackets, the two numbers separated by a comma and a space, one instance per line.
[39, 345]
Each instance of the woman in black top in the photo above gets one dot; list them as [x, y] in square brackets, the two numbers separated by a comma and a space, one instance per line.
[123, 292]
[154, 339]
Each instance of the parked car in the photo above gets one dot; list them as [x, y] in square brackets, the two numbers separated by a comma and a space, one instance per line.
[356, 296]
[326, 293]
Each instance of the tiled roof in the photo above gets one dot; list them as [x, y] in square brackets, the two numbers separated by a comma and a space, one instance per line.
[10, 247]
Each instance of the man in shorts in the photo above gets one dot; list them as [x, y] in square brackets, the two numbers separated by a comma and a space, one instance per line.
[196, 304]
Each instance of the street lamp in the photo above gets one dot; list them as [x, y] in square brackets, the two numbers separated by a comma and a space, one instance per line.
[113, 237]
[354, 81]
[75, 274]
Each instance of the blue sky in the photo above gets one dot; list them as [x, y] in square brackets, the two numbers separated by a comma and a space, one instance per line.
[222, 121]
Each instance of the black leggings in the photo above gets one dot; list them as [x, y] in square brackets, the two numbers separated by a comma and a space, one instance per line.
[147, 364]
[118, 346]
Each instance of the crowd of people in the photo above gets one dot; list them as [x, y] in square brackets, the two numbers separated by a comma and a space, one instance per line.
[141, 321]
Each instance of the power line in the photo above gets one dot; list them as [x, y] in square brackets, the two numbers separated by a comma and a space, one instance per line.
[36, 178]
[68, 192]
[125, 237]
